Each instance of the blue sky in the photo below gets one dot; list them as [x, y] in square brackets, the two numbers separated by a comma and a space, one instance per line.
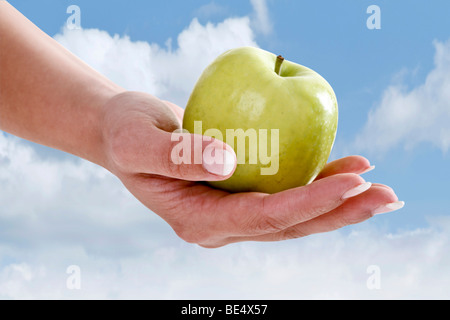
[390, 83]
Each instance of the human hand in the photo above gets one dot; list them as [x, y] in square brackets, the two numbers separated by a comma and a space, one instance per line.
[77, 110]
[137, 132]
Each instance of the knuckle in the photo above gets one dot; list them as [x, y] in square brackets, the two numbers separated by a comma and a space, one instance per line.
[174, 169]
[212, 245]
[351, 178]
[186, 235]
[270, 224]
[293, 233]
[173, 165]
[191, 235]
[317, 207]
[350, 219]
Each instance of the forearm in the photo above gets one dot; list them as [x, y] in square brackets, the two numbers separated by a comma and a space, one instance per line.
[47, 95]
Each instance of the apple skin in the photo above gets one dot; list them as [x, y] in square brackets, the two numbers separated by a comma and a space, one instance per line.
[240, 89]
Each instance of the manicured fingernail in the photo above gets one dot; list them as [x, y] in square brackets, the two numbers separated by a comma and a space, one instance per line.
[389, 207]
[229, 162]
[218, 161]
[368, 169]
[357, 190]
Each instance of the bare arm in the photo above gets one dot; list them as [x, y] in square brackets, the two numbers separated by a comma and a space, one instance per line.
[47, 95]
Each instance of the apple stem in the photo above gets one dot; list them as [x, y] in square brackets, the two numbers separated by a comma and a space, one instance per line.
[278, 63]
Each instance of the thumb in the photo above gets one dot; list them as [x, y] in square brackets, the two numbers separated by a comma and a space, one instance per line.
[192, 157]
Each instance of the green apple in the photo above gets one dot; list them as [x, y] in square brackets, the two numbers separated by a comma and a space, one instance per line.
[280, 117]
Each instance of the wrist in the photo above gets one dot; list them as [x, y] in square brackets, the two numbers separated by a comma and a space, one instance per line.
[98, 147]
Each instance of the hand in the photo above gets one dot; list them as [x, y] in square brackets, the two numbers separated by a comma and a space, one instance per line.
[137, 140]
[77, 110]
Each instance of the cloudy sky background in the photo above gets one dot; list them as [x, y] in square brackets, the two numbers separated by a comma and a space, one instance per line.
[393, 89]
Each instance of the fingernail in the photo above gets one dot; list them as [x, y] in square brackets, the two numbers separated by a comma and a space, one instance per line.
[218, 161]
[357, 190]
[368, 169]
[389, 207]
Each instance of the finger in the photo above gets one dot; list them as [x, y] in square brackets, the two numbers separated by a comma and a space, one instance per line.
[190, 157]
[249, 214]
[262, 214]
[383, 186]
[350, 164]
[147, 140]
[354, 210]
[179, 112]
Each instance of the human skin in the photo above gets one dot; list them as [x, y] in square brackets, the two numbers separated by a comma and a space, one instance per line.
[50, 97]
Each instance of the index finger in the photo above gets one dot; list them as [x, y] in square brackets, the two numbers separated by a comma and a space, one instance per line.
[350, 164]
[254, 213]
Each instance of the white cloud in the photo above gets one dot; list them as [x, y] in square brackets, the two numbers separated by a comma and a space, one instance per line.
[161, 71]
[330, 266]
[408, 117]
[86, 218]
[261, 21]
